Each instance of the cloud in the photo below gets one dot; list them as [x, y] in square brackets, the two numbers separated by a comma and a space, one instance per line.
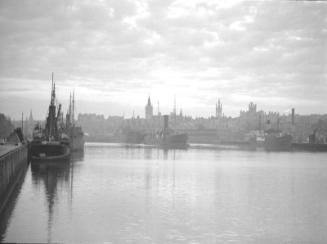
[120, 52]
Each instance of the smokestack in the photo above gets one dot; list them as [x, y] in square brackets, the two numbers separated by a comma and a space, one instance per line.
[293, 116]
[165, 122]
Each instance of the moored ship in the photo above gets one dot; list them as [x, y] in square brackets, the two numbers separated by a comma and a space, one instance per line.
[50, 143]
[277, 141]
[49, 151]
[174, 141]
[313, 145]
[167, 138]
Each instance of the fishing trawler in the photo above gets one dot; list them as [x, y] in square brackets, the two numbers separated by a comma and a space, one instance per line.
[74, 132]
[50, 143]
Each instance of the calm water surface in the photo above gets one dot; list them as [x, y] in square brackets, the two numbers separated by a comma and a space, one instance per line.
[116, 194]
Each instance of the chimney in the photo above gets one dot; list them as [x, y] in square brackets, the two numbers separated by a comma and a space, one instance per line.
[165, 122]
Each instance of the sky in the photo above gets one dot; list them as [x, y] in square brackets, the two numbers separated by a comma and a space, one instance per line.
[114, 54]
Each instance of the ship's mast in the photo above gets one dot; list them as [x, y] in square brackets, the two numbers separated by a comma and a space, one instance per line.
[73, 116]
[175, 113]
[174, 105]
[22, 122]
[51, 120]
[53, 91]
[70, 109]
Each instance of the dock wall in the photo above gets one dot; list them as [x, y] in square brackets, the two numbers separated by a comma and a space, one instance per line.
[12, 166]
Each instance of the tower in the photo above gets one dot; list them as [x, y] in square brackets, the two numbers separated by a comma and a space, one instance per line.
[219, 109]
[252, 107]
[148, 109]
[159, 114]
[30, 119]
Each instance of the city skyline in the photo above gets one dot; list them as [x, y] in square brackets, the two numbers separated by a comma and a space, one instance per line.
[116, 54]
[153, 110]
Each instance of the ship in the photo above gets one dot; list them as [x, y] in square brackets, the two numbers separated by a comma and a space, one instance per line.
[50, 143]
[133, 137]
[52, 151]
[314, 145]
[168, 138]
[74, 132]
[174, 141]
[277, 141]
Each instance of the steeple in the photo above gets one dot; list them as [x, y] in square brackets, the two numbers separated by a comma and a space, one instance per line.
[158, 109]
[53, 90]
[31, 116]
[219, 109]
[148, 109]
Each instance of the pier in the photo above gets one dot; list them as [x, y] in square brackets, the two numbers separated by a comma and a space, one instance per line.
[13, 162]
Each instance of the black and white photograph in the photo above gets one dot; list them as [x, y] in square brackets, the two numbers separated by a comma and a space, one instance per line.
[163, 121]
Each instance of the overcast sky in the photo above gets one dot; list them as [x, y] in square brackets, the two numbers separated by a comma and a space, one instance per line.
[114, 54]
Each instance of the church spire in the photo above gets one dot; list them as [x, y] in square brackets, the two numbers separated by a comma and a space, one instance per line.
[148, 109]
[219, 109]
[31, 116]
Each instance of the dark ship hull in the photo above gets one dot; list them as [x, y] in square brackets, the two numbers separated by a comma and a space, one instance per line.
[133, 137]
[278, 142]
[311, 147]
[174, 141]
[48, 152]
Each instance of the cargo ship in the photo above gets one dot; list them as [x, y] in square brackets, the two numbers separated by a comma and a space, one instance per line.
[50, 143]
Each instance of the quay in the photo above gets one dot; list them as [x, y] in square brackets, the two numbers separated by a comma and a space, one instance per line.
[13, 163]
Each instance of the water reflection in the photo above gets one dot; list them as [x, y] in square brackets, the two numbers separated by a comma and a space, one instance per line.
[51, 176]
[146, 195]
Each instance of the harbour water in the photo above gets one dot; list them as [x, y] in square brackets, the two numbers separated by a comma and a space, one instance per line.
[116, 194]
